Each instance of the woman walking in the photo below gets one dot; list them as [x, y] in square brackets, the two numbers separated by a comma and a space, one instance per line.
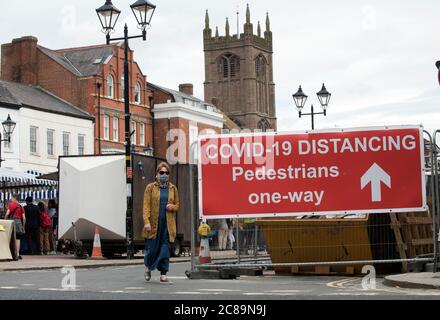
[161, 203]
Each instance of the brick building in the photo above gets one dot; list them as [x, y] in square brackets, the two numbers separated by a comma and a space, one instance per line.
[239, 74]
[73, 74]
[179, 118]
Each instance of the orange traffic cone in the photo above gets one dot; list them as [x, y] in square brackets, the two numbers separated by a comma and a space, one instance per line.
[97, 252]
[205, 255]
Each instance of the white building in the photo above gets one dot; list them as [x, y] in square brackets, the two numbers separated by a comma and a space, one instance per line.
[47, 127]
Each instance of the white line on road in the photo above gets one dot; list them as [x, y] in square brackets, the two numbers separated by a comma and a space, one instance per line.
[56, 289]
[27, 284]
[219, 290]
[189, 292]
[288, 291]
[8, 288]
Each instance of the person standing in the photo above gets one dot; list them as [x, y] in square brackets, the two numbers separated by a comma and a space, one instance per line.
[16, 212]
[53, 213]
[45, 228]
[32, 214]
[161, 203]
[231, 237]
[222, 234]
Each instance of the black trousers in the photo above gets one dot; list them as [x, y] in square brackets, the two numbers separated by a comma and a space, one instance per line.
[33, 234]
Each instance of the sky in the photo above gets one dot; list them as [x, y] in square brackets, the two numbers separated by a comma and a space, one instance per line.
[376, 57]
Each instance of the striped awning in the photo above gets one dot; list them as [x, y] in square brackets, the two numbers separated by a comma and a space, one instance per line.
[25, 185]
[10, 178]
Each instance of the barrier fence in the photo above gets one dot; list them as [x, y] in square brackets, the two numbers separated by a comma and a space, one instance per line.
[327, 244]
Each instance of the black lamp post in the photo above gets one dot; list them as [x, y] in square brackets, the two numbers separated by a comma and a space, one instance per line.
[300, 101]
[8, 127]
[108, 15]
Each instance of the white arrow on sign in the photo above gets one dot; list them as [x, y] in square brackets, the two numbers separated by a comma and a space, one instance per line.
[375, 175]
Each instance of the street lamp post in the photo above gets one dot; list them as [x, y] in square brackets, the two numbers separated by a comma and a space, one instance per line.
[8, 127]
[300, 101]
[108, 15]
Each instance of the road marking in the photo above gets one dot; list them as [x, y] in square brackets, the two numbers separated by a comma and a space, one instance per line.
[189, 292]
[350, 294]
[339, 284]
[177, 277]
[134, 288]
[219, 290]
[27, 284]
[8, 288]
[56, 289]
[288, 291]
[115, 291]
[253, 294]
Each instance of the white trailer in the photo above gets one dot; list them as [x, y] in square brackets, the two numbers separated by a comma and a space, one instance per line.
[93, 193]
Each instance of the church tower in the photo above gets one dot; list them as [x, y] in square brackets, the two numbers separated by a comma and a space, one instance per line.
[239, 74]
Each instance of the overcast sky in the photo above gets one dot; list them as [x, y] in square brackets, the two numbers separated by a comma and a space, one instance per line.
[376, 57]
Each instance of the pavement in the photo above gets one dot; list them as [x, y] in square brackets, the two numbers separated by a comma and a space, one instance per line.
[49, 262]
[30, 263]
[416, 280]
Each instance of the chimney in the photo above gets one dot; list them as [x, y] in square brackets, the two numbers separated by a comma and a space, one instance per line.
[186, 88]
[19, 60]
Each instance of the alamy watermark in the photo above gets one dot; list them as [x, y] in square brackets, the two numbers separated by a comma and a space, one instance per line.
[369, 281]
[69, 280]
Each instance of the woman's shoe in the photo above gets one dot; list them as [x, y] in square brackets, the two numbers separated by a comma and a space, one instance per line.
[164, 279]
[147, 275]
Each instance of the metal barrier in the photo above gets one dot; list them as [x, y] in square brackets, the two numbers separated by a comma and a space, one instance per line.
[330, 244]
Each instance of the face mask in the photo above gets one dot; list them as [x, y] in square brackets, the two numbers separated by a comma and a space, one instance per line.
[164, 178]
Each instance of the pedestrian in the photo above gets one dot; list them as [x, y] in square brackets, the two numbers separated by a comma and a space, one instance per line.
[32, 214]
[222, 234]
[16, 212]
[231, 237]
[45, 228]
[161, 203]
[53, 213]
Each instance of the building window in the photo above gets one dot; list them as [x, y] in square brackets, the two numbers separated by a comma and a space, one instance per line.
[260, 67]
[133, 129]
[229, 66]
[137, 93]
[115, 128]
[50, 142]
[33, 139]
[142, 134]
[81, 139]
[122, 88]
[6, 143]
[66, 143]
[110, 87]
[193, 134]
[106, 127]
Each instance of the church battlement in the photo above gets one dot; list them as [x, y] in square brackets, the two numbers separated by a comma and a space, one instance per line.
[215, 41]
[239, 73]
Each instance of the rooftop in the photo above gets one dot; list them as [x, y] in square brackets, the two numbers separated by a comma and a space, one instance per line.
[18, 95]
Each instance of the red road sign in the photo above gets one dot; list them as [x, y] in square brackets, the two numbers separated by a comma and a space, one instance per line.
[368, 170]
